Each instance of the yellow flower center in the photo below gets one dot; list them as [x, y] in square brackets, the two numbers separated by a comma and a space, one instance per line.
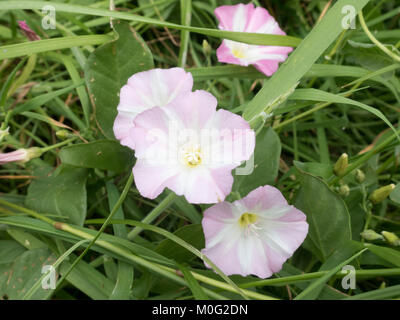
[191, 156]
[247, 219]
[239, 53]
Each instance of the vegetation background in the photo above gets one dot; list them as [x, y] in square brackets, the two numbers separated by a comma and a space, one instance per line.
[339, 92]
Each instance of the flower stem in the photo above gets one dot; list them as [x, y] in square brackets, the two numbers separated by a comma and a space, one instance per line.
[57, 145]
[154, 214]
[365, 158]
[105, 224]
[314, 275]
[374, 40]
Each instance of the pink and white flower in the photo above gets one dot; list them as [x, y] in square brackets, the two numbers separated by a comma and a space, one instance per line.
[20, 155]
[28, 32]
[254, 235]
[145, 90]
[247, 18]
[190, 148]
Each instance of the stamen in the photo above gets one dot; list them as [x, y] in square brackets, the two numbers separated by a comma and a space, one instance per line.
[191, 155]
[248, 222]
[247, 218]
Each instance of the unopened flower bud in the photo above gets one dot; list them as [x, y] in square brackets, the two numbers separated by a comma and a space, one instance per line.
[4, 133]
[381, 194]
[341, 165]
[370, 235]
[391, 238]
[360, 176]
[206, 48]
[28, 32]
[63, 134]
[344, 190]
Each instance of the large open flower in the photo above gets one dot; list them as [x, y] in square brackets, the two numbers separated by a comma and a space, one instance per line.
[190, 148]
[254, 235]
[247, 18]
[145, 90]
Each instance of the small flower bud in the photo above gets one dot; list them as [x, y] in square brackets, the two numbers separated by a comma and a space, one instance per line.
[341, 165]
[206, 48]
[360, 176]
[370, 235]
[391, 238]
[4, 133]
[28, 32]
[344, 190]
[381, 194]
[63, 134]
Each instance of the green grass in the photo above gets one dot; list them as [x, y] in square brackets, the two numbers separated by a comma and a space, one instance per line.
[338, 92]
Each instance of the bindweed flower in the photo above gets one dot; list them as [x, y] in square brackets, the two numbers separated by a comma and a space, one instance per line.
[247, 18]
[145, 90]
[190, 148]
[254, 235]
[28, 32]
[20, 155]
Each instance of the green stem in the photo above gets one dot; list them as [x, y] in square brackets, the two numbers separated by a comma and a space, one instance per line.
[105, 224]
[315, 275]
[57, 145]
[154, 214]
[359, 162]
[186, 13]
[25, 210]
[169, 273]
[374, 40]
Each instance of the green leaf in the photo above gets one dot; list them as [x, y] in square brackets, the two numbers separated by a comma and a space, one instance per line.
[327, 216]
[385, 293]
[24, 273]
[101, 154]
[108, 69]
[301, 60]
[193, 284]
[123, 285]
[315, 287]
[322, 170]
[395, 194]
[63, 194]
[250, 38]
[9, 251]
[21, 49]
[192, 234]
[319, 95]
[266, 163]
[87, 279]
[32, 291]
[388, 254]
[26, 239]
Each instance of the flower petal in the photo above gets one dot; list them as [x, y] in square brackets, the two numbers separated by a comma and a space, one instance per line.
[194, 109]
[234, 18]
[145, 90]
[122, 128]
[259, 247]
[247, 18]
[151, 179]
